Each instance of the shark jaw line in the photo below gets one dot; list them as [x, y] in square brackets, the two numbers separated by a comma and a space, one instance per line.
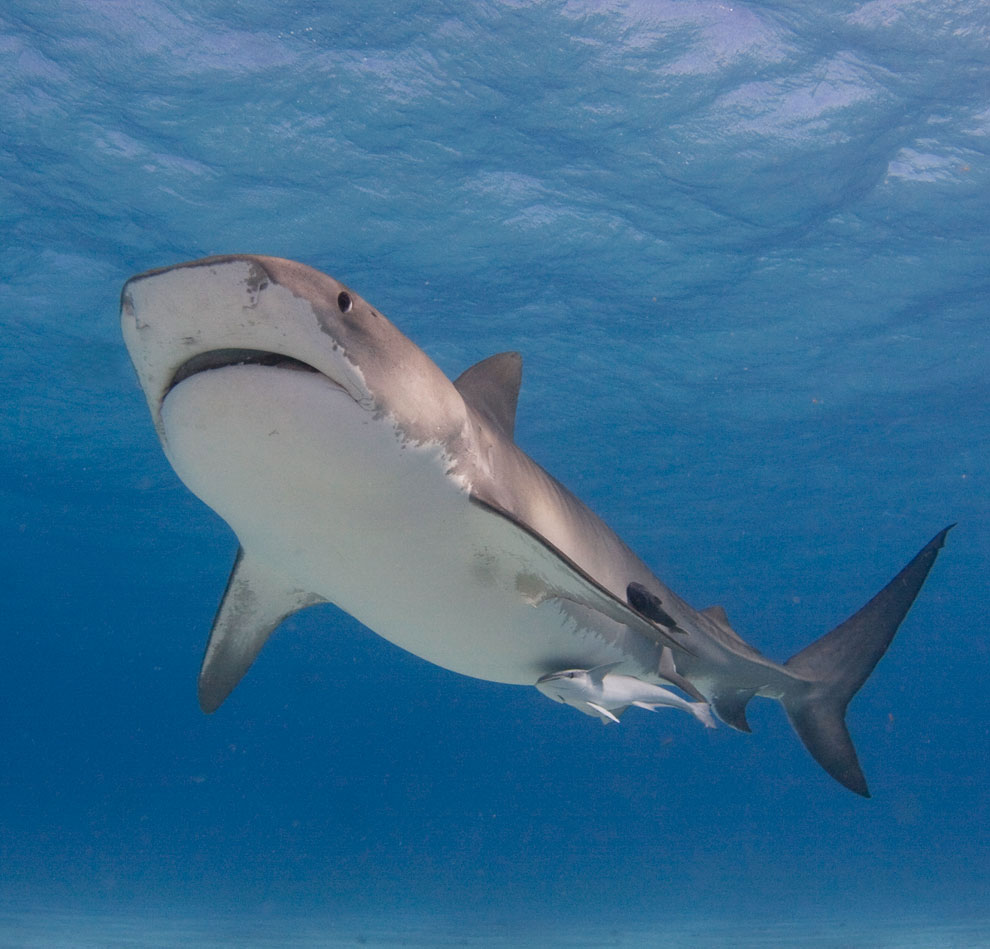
[226, 358]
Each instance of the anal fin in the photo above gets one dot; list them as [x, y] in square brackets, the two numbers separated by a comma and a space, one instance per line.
[254, 603]
[730, 706]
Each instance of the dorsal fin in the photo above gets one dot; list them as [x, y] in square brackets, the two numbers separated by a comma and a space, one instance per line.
[598, 673]
[491, 388]
[718, 614]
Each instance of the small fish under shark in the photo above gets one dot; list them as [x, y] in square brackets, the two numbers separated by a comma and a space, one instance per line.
[353, 471]
[601, 693]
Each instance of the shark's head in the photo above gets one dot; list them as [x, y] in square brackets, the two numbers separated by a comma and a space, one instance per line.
[235, 310]
[568, 686]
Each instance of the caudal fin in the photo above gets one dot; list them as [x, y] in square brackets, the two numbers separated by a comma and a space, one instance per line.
[841, 661]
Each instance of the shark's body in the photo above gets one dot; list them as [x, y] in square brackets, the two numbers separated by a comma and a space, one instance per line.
[353, 471]
[606, 695]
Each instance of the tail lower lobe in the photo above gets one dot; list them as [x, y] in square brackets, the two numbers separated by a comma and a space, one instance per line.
[840, 662]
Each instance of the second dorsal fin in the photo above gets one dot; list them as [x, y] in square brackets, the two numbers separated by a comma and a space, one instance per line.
[491, 388]
[718, 614]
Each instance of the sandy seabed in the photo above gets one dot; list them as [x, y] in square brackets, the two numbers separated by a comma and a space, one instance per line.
[80, 930]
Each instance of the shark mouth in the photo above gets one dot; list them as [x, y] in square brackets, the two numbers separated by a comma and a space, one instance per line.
[223, 358]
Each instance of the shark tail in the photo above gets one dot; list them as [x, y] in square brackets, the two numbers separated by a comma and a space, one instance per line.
[832, 669]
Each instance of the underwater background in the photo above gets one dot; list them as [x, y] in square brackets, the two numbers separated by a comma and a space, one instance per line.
[744, 251]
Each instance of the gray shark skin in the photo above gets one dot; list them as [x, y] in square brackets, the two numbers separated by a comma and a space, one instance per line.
[353, 471]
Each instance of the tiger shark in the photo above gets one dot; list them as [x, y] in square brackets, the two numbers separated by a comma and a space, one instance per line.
[353, 471]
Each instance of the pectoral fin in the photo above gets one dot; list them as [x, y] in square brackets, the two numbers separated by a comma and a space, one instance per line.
[605, 715]
[253, 604]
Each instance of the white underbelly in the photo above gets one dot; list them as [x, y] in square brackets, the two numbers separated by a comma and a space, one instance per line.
[333, 500]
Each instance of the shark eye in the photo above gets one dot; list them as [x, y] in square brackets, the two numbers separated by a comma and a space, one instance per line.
[344, 301]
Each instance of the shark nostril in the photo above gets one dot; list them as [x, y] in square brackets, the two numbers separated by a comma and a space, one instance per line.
[344, 301]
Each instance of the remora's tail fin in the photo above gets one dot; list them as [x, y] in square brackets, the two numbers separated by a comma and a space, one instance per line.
[842, 660]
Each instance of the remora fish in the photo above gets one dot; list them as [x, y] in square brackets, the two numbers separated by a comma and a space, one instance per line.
[606, 695]
[353, 471]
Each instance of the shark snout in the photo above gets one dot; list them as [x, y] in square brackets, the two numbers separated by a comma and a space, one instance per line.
[230, 311]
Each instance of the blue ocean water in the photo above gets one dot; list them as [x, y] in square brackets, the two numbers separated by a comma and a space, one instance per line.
[743, 249]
